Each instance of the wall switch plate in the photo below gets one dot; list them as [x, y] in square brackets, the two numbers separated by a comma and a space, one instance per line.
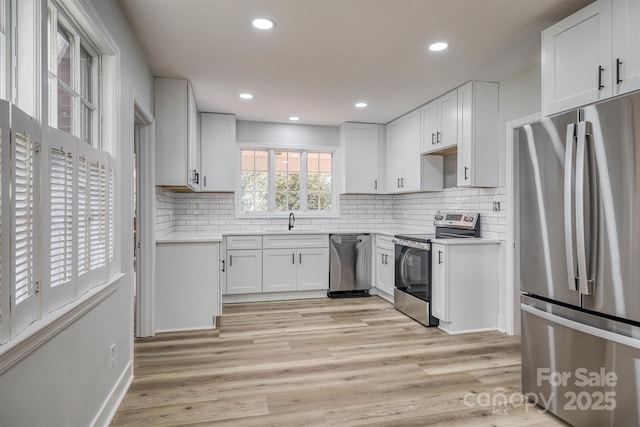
[112, 355]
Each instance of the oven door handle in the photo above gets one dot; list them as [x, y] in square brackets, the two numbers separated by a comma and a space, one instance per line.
[414, 245]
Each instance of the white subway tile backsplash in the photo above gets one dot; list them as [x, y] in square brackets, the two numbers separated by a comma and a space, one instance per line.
[177, 212]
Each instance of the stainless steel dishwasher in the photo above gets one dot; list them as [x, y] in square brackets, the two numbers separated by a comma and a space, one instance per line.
[349, 265]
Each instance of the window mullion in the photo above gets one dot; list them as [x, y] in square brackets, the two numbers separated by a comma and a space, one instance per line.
[272, 181]
[303, 182]
[75, 67]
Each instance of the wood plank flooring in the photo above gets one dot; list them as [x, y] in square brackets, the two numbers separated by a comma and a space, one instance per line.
[325, 362]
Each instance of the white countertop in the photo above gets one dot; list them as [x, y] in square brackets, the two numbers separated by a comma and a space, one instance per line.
[213, 237]
[467, 241]
[191, 237]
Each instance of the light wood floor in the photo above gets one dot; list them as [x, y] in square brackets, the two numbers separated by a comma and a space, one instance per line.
[325, 363]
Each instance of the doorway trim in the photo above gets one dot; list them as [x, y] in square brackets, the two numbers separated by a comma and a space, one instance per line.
[512, 294]
[145, 293]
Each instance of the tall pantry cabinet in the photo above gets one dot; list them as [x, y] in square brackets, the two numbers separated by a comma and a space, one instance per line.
[177, 140]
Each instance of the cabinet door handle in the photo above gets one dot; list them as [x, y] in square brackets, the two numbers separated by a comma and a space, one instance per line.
[618, 64]
[433, 138]
[375, 184]
[439, 257]
[402, 182]
[293, 258]
[223, 266]
[230, 260]
[300, 258]
[204, 180]
[600, 70]
[386, 259]
[398, 182]
[438, 137]
[465, 173]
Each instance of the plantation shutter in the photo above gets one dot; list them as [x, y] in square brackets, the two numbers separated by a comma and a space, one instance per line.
[5, 156]
[98, 220]
[60, 221]
[111, 212]
[25, 288]
[83, 214]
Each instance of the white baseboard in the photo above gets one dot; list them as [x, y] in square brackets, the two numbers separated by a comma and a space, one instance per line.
[444, 326]
[195, 328]
[273, 296]
[382, 294]
[502, 324]
[112, 403]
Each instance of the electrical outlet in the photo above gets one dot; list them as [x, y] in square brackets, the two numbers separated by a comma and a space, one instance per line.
[496, 206]
[112, 355]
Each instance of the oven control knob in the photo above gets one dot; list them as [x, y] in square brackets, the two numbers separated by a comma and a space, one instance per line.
[468, 218]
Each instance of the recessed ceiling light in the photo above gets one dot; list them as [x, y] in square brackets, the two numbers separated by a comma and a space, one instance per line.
[360, 104]
[294, 118]
[246, 96]
[263, 24]
[437, 47]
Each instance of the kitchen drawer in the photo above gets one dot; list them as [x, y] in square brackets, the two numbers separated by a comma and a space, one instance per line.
[280, 241]
[384, 242]
[244, 242]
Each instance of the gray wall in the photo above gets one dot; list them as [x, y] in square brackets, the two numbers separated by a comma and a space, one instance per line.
[520, 96]
[285, 134]
[67, 380]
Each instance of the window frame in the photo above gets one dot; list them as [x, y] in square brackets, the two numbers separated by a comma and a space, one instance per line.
[57, 19]
[48, 319]
[303, 212]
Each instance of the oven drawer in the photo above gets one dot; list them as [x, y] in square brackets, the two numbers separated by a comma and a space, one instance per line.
[416, 308]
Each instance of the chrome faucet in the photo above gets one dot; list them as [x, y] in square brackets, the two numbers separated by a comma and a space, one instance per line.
[292, 219]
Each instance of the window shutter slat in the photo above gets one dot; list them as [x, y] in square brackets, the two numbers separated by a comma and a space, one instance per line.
[83, 215]
[111, 216]
[23, 188]
[61, 200]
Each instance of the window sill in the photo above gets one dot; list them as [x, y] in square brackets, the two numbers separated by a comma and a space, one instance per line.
[41, 331]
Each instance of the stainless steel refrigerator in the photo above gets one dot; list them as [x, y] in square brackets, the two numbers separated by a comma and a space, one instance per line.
[579, 261]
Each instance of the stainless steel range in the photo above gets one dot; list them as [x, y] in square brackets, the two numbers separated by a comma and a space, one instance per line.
[412, 294]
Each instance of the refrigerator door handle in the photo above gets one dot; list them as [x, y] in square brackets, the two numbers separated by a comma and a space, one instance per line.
[594, 206]
[582, 327]
[569, 208]
[584, 284]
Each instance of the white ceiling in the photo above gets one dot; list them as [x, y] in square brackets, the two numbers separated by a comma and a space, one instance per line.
[325, 55]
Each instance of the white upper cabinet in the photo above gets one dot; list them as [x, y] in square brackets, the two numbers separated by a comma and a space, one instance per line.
[410, 179]
[394, 155]
[478, 149]
[440, 123]
[177, 142]
[626, 46]
[219, 155]
[577, 65]
[407, 169]
[362, 144]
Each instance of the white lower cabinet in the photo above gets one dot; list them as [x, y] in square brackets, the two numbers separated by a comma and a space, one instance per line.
[313, 269]
[279, 270]
[187, 285]
[384, 265]
[297, 267]
[465, 286]
[276, 263]
[244, 271]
